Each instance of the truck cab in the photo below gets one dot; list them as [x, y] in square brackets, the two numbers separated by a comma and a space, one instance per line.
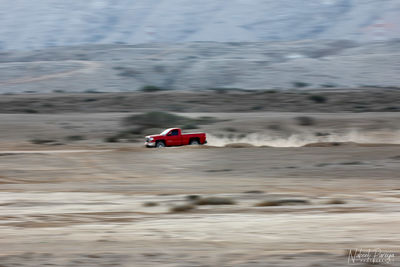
[175, 137]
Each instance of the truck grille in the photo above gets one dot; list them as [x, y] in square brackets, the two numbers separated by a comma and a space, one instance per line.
[147, 139]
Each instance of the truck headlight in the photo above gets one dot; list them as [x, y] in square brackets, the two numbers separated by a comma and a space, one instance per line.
[151, 139]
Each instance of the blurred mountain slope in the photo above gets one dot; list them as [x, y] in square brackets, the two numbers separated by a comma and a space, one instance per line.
[202, 65]
[26, 24]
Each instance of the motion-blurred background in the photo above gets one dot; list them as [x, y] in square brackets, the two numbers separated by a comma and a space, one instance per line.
[124, 45]
[300, 102]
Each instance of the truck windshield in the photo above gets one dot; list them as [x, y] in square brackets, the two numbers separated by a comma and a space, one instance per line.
[165, 132]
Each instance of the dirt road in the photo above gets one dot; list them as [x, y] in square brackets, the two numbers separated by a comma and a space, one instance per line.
[91, 208]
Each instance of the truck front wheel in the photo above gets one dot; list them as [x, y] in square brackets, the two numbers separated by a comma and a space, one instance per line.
[160, 144]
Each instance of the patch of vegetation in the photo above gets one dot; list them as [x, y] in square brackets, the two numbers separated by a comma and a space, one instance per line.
[322, 164]
[90, 100]
[75, 138]
[254, 192]
[111, 139]
[352, 163]
[328, 85]
[92, 91]
[150, 204]
[215, 201]
[300, 84]
[155, 119]
[30, 111]
[318, 98]
[176, 108]
[128, 72]
[321, 134]
[47, 105]
[274, 127]
[282, 202]
[130, 134]
[242, 135]
[305, 121]
[206, 120]
[336, 202]
[190, 126]
[182, 208]
[257, 107]
[151, 89]
[219, 90]
[193, 197]
[160, 119]
[391, 108]
[42, 141]
[230, 129]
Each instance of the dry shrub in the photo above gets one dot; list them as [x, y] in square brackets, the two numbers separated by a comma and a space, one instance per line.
[42, 141]
[318, 98]
[182, 208]
[193, 197]
[254, 192]
[282, 202]
[215, 201]
[305, 121]
[160, 119]
[150, 204]
[336, 202]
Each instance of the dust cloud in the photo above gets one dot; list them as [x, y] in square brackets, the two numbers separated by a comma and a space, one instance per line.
[305, 138]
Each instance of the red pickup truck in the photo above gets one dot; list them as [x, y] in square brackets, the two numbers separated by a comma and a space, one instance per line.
[174, 137]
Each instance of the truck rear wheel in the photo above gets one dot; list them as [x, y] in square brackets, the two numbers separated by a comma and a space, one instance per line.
[194, 142]
[160, 144]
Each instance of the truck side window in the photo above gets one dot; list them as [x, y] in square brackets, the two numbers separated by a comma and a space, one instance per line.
[174, 132]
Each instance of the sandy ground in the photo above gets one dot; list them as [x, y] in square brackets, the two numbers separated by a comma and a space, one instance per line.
[92, 203]
[87, 207]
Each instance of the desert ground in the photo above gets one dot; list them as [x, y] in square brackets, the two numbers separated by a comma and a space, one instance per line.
[286, 179]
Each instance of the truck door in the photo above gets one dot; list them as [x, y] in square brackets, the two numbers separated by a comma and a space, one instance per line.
[174, 138]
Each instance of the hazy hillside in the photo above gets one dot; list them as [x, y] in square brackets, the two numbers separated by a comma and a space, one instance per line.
[27, 24]
[263, 65]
